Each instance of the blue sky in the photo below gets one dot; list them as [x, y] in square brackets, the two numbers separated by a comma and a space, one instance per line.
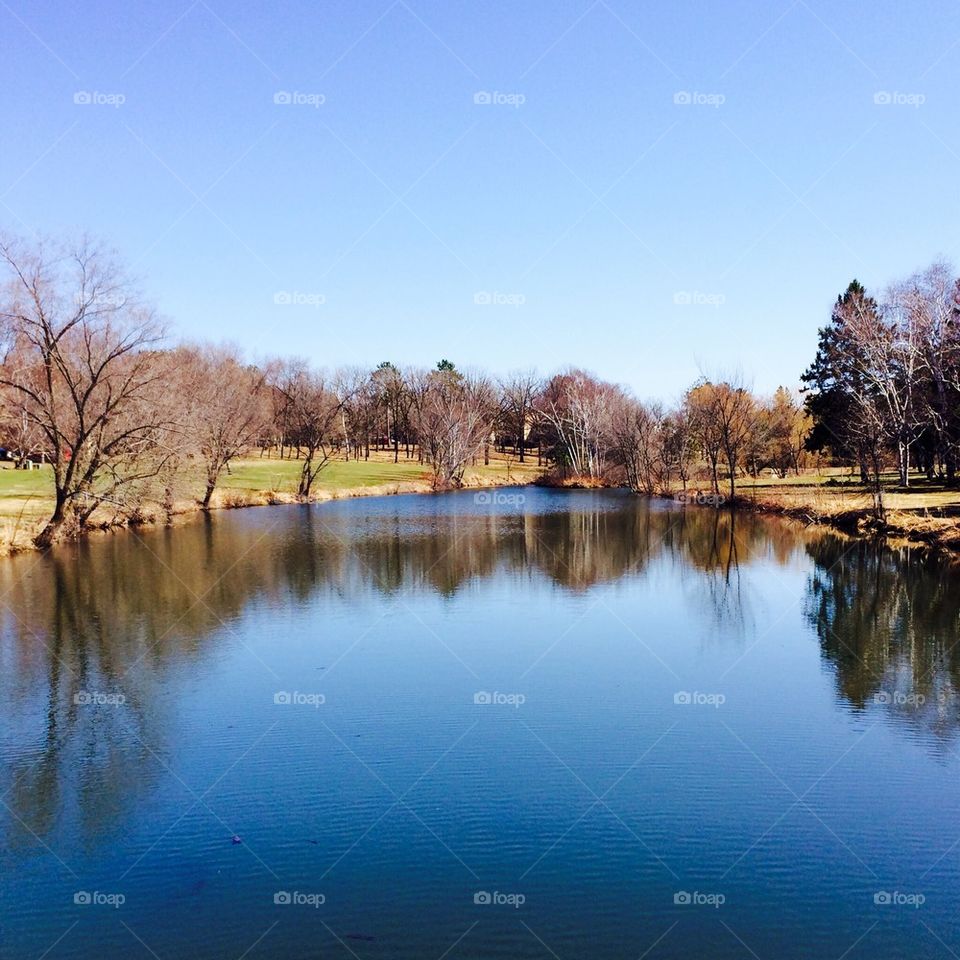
[651, 189]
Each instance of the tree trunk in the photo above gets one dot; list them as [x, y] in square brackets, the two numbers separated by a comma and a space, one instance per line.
[168, 503]
[49, 533]
[208, 493]
[213, 475]
[306, 478]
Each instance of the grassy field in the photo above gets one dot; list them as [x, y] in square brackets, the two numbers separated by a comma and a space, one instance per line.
[25, 492]
[283, 475]
[339, 476]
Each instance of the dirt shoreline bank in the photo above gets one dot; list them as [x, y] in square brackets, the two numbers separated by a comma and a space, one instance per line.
[919, 527]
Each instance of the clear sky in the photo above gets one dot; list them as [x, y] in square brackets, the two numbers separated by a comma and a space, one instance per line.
[581, 215]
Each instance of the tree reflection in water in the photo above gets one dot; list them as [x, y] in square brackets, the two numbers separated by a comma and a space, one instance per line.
[889, 623]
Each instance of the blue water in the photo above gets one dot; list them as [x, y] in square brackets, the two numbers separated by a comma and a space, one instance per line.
[558, 724]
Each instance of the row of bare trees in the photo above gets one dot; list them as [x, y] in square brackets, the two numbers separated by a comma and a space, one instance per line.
[718, 432]
[89, 384]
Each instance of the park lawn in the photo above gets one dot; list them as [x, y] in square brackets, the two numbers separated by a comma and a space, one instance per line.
[26, 493]
[256, 474]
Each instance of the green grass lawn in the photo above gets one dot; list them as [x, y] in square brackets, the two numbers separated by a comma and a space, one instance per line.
[284, 475]
[31, 491]
[26, 493]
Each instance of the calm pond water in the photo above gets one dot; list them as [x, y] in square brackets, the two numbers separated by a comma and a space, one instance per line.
[546, 724]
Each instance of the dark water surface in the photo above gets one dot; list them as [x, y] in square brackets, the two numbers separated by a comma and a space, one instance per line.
[705, 736]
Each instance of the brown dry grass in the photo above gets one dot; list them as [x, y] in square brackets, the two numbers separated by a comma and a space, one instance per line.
[921, 514]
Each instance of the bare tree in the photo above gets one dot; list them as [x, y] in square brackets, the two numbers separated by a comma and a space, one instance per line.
[930, 302]
[677, 446]
[700, 414]
[361, 408]
[635, 434]
[519, 392]
[456, 416]
[395, 401]
[725, 416]
[313, 409]
[773, 442]
[226, 407]
[19, 431]
[577, 407]
[419, 383]
[889, 342]
[79, 363]
[735, 413]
